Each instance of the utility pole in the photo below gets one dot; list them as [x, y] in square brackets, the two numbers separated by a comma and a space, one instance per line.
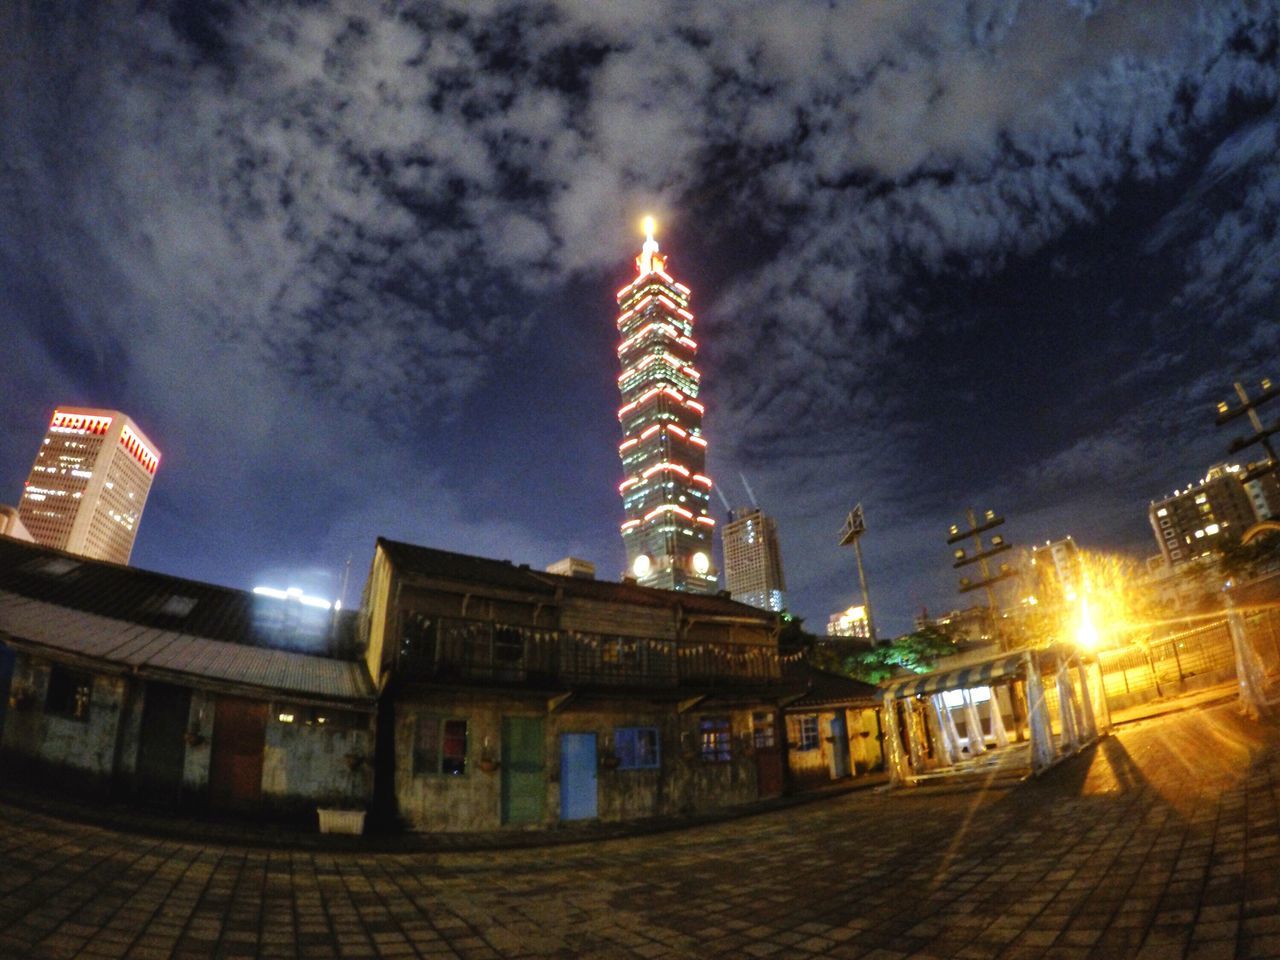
[851, 535]
[980, 556]
[1260, 433]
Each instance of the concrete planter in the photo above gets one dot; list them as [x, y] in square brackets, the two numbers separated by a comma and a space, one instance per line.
[341, 821]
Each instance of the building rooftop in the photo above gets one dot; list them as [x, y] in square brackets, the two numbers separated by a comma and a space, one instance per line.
[826, 689]
[148, 599]
[442, 564]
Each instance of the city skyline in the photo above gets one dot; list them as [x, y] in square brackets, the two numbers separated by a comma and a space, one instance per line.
[354, 269]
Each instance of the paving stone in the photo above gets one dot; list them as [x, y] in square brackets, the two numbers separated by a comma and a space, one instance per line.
[1184, 860]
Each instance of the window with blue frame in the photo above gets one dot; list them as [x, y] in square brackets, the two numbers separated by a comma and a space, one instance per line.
[637, 748]
[808, 733]
[715, 734]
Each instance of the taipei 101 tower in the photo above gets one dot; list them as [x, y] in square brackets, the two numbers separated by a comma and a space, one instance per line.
[666, 491]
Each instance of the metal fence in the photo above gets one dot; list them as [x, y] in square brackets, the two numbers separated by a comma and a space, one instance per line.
[1188, 660]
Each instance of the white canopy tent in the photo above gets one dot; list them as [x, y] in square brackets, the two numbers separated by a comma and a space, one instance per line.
[1057, 705]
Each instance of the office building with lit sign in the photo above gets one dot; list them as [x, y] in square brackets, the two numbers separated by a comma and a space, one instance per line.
[89, 484]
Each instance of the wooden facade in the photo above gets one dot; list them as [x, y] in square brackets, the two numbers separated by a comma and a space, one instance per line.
[522, 699]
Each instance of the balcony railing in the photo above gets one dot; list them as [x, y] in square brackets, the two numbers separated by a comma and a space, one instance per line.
[446, 648]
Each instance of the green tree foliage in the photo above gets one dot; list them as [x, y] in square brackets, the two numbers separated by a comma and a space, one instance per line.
[918, 652]
[1244, 561]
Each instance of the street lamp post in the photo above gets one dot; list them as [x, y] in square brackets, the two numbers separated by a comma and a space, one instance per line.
[1261, 434]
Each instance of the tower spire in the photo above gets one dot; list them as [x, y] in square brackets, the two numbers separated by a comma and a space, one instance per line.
[649, 259]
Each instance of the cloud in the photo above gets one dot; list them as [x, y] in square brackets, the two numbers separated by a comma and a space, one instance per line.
[365, 212]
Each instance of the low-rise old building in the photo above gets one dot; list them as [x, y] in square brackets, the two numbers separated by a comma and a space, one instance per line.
[833, 728]
[133, 683]
[519, 698]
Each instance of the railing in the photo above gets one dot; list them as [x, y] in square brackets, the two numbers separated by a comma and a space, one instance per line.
[448, 648]
[1175, 664]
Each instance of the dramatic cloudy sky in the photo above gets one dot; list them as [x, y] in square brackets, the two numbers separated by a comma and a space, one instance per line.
[351, 265]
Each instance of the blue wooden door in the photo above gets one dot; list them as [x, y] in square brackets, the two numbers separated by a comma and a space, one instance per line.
[577, 776]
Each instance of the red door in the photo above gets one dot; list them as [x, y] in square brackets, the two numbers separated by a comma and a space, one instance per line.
[768, 756]
[235, 768]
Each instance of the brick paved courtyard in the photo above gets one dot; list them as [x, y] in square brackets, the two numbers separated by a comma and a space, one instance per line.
[1162, 842]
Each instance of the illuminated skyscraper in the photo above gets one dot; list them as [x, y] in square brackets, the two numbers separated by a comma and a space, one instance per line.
[667, 532]
[89, 484]
[753, 560]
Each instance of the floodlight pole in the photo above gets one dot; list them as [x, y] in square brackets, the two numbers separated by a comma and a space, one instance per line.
[855, 526]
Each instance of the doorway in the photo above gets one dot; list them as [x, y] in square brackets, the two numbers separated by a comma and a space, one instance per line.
[839, 746]
[578, 794]
[7, 658]
[764, 738]
[524, 785]
[235, 767]
[161, 749]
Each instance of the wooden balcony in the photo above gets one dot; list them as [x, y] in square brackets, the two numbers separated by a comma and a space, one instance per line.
[444, 649]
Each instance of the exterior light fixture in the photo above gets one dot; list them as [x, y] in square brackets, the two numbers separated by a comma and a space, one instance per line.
[642, 565]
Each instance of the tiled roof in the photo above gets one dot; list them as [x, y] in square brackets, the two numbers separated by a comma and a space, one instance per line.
[425, 561]
[150, 599]
[150, 651]
[822, 688]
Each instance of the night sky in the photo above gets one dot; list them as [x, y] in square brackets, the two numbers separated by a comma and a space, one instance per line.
[352, 266]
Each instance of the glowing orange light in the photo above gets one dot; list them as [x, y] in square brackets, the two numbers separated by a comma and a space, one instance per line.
[667, 508]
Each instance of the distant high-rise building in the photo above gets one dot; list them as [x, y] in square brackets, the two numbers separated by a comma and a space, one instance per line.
[1193, 522]
[753, 560]
[665, 493]
[1264, 493]
[574, 567]
[1058, 563]
[89, 484]
[853, 622]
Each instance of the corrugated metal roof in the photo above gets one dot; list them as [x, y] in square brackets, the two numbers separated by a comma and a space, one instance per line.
[149, 650]
[167, 603]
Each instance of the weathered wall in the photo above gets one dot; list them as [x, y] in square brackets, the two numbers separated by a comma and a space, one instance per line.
[810, 767]
[305, 765]
[473, 801]
[444, 802]
[865, 743]
[85, 747]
